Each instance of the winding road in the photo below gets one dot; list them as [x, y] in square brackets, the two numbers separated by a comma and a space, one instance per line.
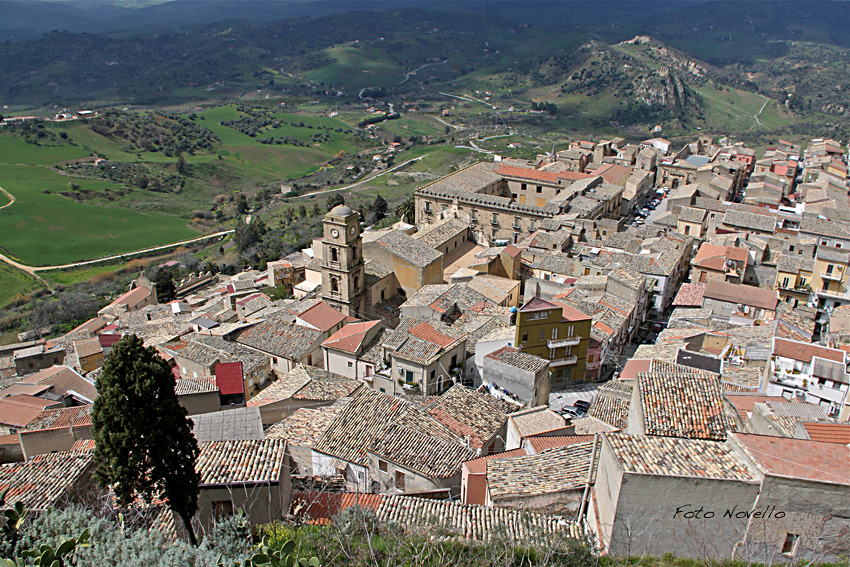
[756, 116]
[11, 198]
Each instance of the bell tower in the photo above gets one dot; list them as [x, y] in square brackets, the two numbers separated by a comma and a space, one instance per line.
[343, 274]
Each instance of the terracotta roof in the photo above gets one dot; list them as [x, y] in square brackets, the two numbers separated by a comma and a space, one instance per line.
[633, 366]
[131, 298]
[682, 405]
[306, 383]
[24, 390]
[611, 404]
[743, 404]
[804, 352]
[689, 295]
[540, 443]
[739, 293]
[41, 481]
[419, 452]
[511, 251]
[470, 521]
[306, 425]
[428, 333]
[87, 347]
[798, 458]
[351, 337]
[467, 412]
[241, 462]
[18, 411]
[279, 337]
[514, 357]
[828, 432]
[536, 304]
[479, 465]
[554, 470]
[188, 386]
[533, 421]
[670, 456]
[65, 382]
[77, 416]
[322, 316]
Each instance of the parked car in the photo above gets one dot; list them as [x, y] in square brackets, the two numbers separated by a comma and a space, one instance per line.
[572, 411]
[583, 405]
[657, 327]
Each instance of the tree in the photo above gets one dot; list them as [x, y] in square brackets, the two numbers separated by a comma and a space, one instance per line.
[143, 440]
[406, 211]
[165, 288]
[181, 165]
[380, 205]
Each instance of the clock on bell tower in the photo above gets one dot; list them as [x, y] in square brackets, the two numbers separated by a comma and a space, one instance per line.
[343, 274]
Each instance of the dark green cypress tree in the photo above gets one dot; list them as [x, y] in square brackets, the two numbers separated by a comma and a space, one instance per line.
[143, 440]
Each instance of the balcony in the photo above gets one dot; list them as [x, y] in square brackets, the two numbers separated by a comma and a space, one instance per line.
[569, 361]
[836, 277]
[568, 342]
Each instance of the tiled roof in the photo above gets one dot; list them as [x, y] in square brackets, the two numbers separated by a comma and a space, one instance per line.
[238, 462]
[611, 404]
[279, 337]
[743, 403]
[689, 214]
[319, 508]
[87, 347]
[591, 426]
[24, 390]
[206, 350]
[554, 470]
[479, 465]
[537, 420]
[470, 521]
[436, 235]
[64, 381]
[78, 416]
[364, 420]
[804, 352]
[750, 221]
[745, 294]
[322, 317]
[306, 425]
[828, 432]
[306, 383]
[419, 452]
[237, 424]
[670, 456]
[18, 411]
[41, 481]
[408, 248]
[540, 443]
[351, 337]
[518, 359]
[682, 405]
[494, 288]
[467, 412]
[798, 458]
[187, 386]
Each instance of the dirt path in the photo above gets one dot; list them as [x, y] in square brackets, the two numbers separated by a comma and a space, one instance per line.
[362, 181]
[11, 198]
[33, 269]
[756, 116]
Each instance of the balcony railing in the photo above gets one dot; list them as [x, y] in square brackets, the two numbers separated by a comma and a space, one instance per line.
[569, 361]
[558, 343]
[837, 277]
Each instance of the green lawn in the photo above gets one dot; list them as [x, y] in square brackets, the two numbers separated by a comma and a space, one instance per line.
[71, 277]
[46, 229]
[14, 282]
[15, 150]
[731, 109]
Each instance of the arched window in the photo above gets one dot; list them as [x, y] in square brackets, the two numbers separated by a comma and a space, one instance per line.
[356, 283]
[334, 285]
[334, 255]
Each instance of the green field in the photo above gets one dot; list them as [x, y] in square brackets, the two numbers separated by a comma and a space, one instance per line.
[355, 69]
[16, 150]
[14, 282]
[731, 109]
[47, 228]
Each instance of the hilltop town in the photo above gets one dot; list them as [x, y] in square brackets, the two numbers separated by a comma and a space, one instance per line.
[638, 345]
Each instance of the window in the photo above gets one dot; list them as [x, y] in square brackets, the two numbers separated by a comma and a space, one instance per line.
[829, 268]
[531, 226]
[356, 283]
[427, 207]
[552, 353]
[495, 218]
[727, 305]
[472, 213]
[334, 285]
[537, 315]
[399, 480]
[350, 364]
[433, 374]
[183, 370]
[370, 370]
[525, 337]
[334, 255]
[591, 358]
[222, 508]
[382, 465]
[517, 222]
[568, 351]
[539, 188]
[785, 282]
[454, 361]
[409, 376]
[524, 186]
[542, 334]
[790, 545]
[513, 196]
[571, 331]
[687, 229]
[554, 332]
[382, 294]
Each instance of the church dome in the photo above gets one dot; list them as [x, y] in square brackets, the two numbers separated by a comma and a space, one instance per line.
[342, 211]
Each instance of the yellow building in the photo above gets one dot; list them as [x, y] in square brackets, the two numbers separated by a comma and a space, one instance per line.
[557, 333]
[830, 273]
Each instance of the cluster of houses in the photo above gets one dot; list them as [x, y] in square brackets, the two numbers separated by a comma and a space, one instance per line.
[411, 370]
